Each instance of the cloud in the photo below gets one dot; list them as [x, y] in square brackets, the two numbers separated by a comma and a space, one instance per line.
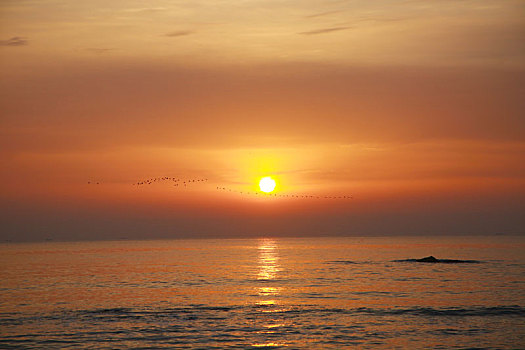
[14, 41]
[324, 30]
[179, 33]
[145, 9]
[99, 50]
[322, 14]
[299, 103]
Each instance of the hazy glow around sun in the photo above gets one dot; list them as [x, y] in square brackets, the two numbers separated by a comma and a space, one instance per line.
[267, 184]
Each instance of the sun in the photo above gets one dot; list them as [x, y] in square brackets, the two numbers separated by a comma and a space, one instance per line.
[267, 184]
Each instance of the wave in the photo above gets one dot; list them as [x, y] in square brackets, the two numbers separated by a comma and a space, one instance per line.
[205, 312]
[504, 310]
[453, 311]
[479, 311]
[261, 326]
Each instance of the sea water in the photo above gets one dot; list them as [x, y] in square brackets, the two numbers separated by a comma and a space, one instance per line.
[275, 293]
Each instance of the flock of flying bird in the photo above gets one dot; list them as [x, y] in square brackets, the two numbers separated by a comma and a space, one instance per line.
[263, 194]
[185, 182]
[176, 182]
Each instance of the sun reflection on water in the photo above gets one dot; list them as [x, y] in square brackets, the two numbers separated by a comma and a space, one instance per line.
[268, 260]
[268, 291]
[270, 319]
[266, 303]
[269, 268]
[270, 344]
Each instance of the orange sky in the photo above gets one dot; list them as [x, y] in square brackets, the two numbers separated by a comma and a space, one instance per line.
[413, 108]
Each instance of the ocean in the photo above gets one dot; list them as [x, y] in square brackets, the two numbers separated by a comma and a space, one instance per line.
[268, 293]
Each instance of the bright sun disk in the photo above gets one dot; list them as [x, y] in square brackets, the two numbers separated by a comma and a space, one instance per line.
[267, 184]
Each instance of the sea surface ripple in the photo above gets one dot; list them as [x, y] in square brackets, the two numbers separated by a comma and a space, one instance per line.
[309, 293]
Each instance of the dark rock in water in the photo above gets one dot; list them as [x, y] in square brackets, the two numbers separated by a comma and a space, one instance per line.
[431, 259]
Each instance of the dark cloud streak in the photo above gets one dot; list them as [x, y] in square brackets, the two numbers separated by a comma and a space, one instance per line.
[322, 14]
[14, 41]
[178, 33]
[99, 50]
[324, 30]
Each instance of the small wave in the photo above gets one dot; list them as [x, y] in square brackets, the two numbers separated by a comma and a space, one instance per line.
[211, 308]
[305, 309]
[206, 313]
[314, 295]
[344, 262]
[112, 311]
[462, 332]
[427, 311]
[481, 311]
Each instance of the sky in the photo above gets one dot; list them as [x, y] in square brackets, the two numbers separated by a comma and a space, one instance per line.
[415, 109]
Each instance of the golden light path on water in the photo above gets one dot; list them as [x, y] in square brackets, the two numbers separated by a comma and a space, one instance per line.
[269, 268]
[268, 260]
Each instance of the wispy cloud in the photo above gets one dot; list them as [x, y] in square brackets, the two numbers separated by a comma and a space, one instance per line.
[145, 9]
[322, 14]
[179, 33]
[14, 41]
[98, 50]
[324, 30]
